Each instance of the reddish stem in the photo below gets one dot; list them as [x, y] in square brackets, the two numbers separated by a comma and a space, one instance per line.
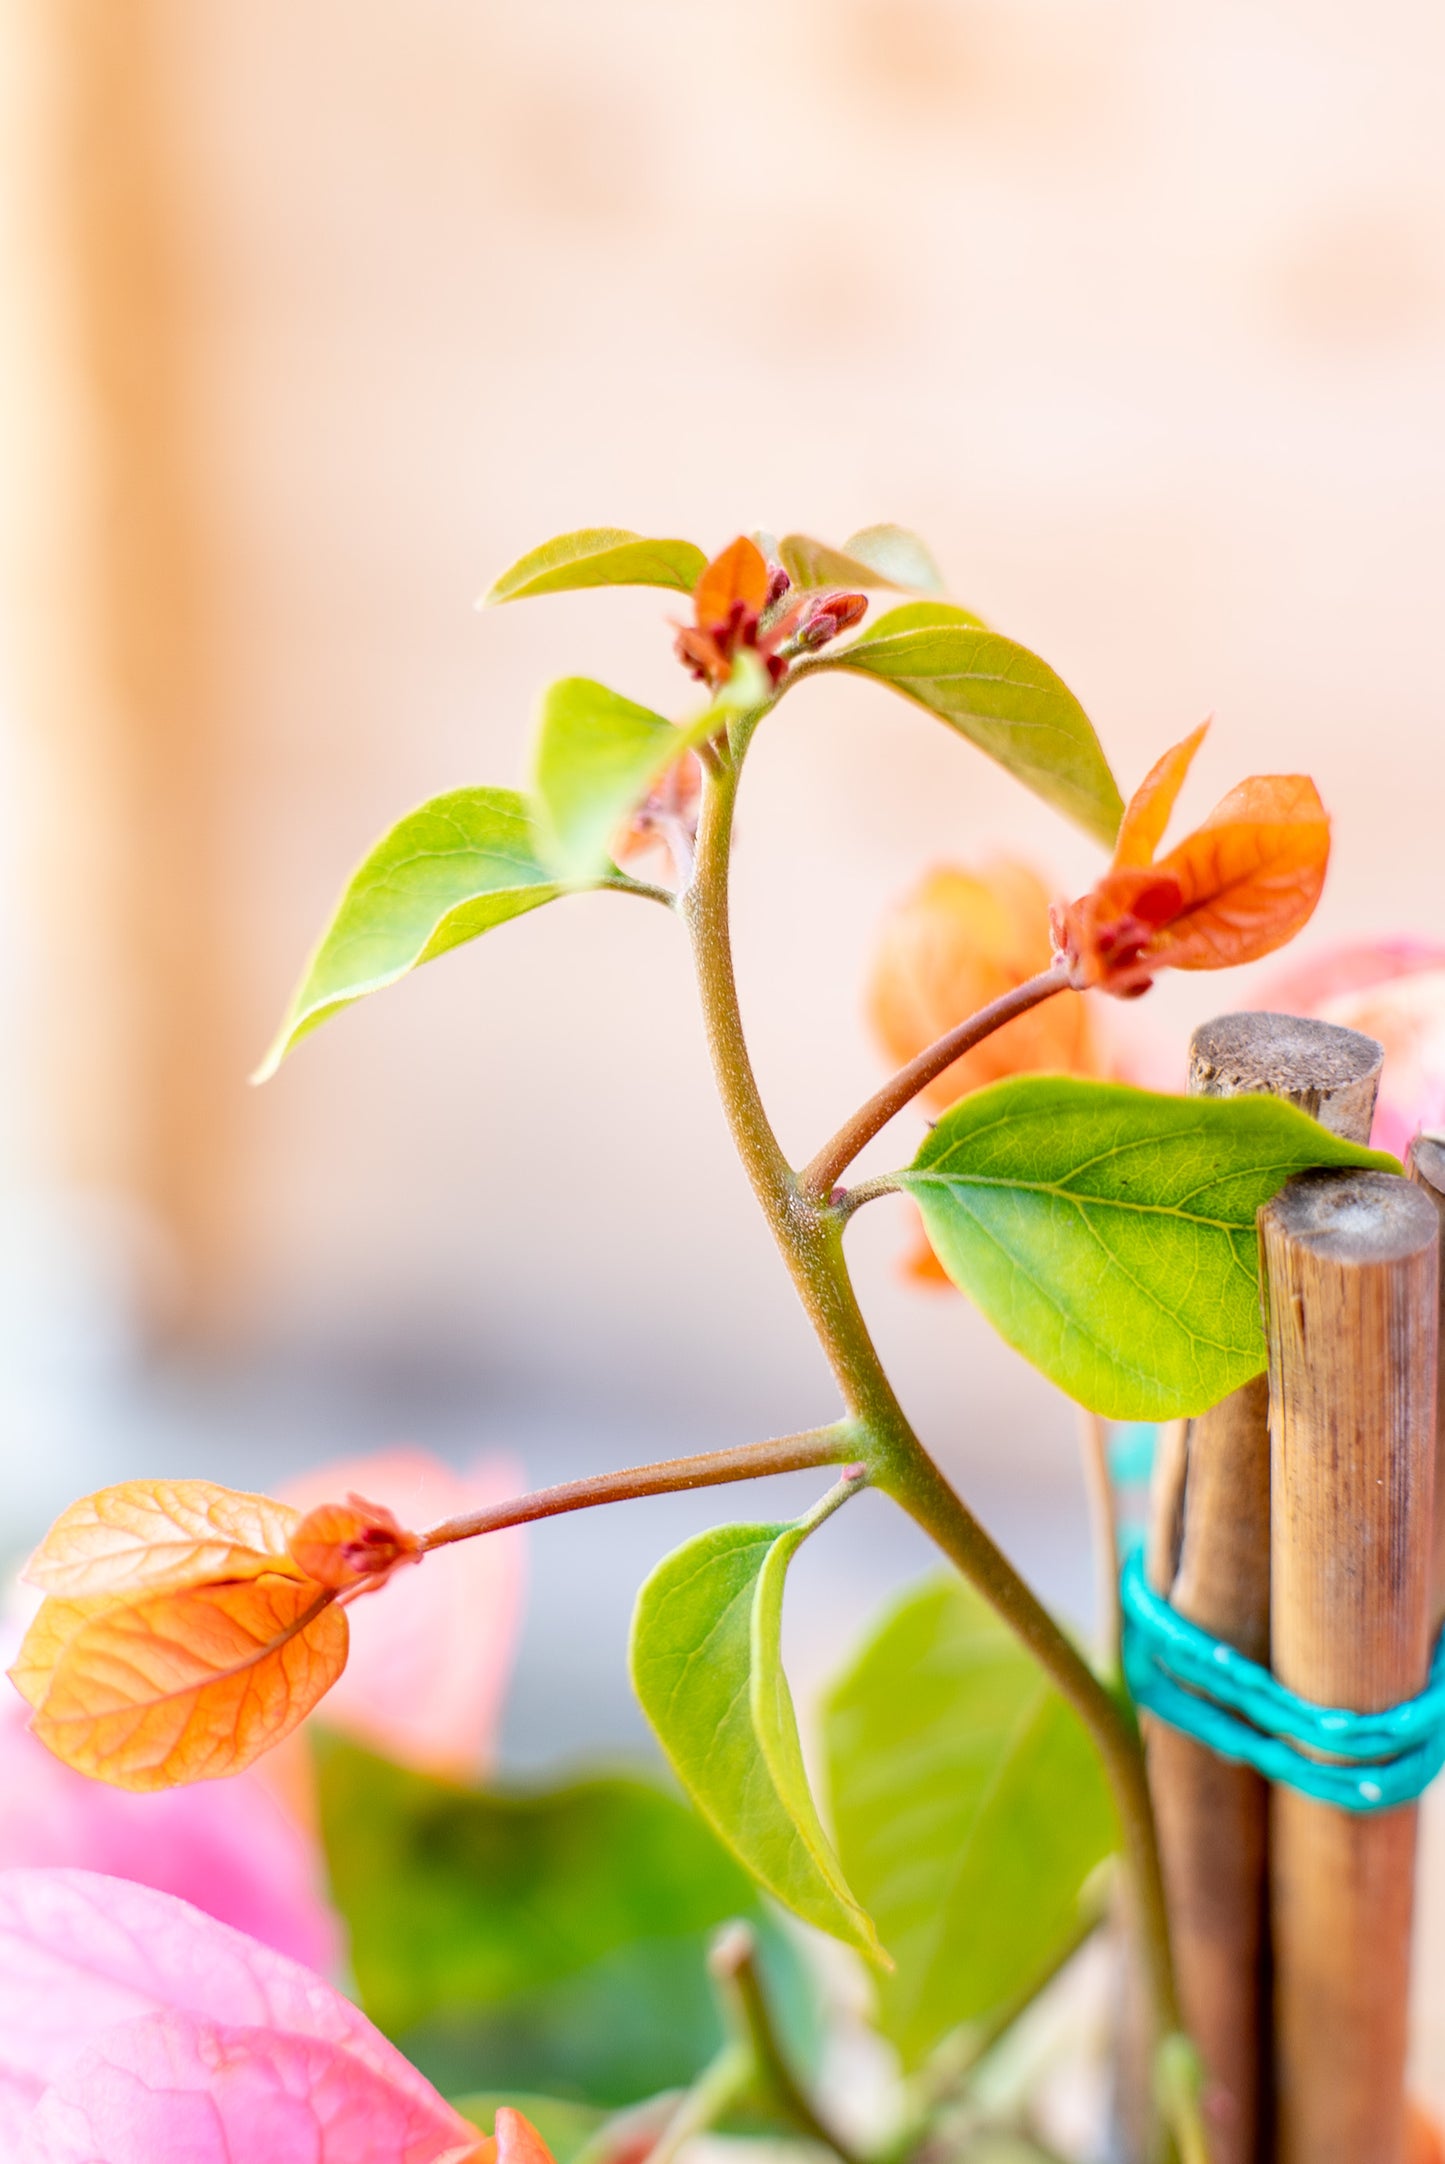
[833, 1445]
[818, 1179]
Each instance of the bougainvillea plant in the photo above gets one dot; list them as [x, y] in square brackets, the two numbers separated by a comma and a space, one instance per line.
[980, 1769]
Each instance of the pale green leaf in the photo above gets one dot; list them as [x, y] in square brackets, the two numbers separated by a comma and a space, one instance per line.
[1109, 1234]
[597, 756]
[599, 556]
[446, 873]
[707, 1670]
[970, 1808]
[878, 556]
[898, 557]
[998, 695]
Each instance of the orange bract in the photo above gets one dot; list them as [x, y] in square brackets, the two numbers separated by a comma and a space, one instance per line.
[151, 1533]
[182, 1685]
[352, 1543]
[516, 2141]
[737, 579]
[1424, 2143]
[180, 1637]
[1235, 889]
[961, 939]
[740, 601]
[958, 941]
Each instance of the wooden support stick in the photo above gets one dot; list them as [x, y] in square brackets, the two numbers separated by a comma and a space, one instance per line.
[1209, 1554]
[1352, 1270]
[1426, 1167]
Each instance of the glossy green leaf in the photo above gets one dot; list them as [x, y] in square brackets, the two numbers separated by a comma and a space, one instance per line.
[707, 1669]
[878, 556]
[553, 1942]
[446, 873]
[998, 695]
[970, 1809]
[1109, 1234]
[599, 556]
[598, 755]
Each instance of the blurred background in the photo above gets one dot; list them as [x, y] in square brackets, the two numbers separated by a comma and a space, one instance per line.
[313, 317]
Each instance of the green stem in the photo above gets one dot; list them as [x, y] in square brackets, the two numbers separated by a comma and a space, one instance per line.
[809, 1235]
[718, 2087]
[734, 1963]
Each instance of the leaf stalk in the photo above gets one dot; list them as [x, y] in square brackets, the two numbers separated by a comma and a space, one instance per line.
[818, 1179]
[838, 1444]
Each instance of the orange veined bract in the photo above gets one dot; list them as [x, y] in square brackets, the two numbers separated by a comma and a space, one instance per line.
[187, 1628]
[1236, 888]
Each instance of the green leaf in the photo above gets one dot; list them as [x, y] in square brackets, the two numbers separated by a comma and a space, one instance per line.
[449, 871]
[707, 1668]
[878, 556]
[998, 695]
[599, 556]
[1109, 1234]
[970, 1809]
[599, 754]
[553, 1942]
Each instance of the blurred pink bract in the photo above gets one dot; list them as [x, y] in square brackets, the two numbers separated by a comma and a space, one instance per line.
[430, 1657]
[1393, 990]
[136, 2030]
[227, 1846]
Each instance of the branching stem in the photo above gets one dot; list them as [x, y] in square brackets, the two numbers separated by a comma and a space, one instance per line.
[834, 1445]
[819, 1178]
[809, 1234]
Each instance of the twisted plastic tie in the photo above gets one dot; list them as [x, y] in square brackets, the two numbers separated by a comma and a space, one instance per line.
[1238, 1710]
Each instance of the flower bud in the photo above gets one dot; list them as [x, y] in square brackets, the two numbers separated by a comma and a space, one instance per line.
[343, 1545]
[778, 584]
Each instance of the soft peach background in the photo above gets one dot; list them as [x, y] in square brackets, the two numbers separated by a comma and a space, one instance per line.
[312, 316]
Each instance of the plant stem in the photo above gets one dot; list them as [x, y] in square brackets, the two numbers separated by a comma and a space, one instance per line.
[1104, 1524]
[819, 1178]
[834, 1445]
[809, 1235]
[620, 883]
[718, 2087]
[734, 1964]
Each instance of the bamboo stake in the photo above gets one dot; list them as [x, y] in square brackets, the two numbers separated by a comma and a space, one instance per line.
[1209, 1554]
[1352, 1263]
[1426, 1167]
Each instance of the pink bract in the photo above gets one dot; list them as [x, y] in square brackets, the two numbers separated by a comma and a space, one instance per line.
[227, 1846]
[136, 2030]
[1393, 990]
[431, 1651]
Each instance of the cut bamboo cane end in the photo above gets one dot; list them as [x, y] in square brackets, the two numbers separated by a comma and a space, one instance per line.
[1333, 1074]
[1426, 1166]
[1354, 1217]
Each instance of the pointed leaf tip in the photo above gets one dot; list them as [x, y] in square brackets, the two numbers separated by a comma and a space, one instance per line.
[706, 1666]
[1001, 697]
[598, 556]
[450, 870]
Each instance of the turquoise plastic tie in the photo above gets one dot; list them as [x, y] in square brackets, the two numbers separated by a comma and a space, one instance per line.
[1195, 1682]
[1237, 1709]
